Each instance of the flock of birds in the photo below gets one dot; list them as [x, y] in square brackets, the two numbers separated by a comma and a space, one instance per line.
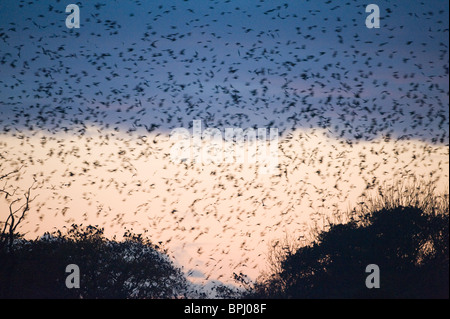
[88, 112]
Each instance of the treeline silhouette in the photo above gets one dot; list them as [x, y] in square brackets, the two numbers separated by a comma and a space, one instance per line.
[404, 231]
[409, 247]
[131, 268]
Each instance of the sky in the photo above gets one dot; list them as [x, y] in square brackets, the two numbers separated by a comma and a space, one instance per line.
[88, 113]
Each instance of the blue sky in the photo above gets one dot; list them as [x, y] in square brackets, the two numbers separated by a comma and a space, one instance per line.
[284, 64]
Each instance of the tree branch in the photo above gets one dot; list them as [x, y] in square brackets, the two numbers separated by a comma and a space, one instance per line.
[13, 172]
[12, 221]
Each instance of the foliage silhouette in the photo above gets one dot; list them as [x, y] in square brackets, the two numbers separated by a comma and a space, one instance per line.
[132, 268]
[409, 246]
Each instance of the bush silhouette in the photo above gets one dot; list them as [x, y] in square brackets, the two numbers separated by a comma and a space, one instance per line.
[409, 246]
[132, 268]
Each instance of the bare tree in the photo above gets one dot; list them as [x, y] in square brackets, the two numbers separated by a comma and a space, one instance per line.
[16, 214]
